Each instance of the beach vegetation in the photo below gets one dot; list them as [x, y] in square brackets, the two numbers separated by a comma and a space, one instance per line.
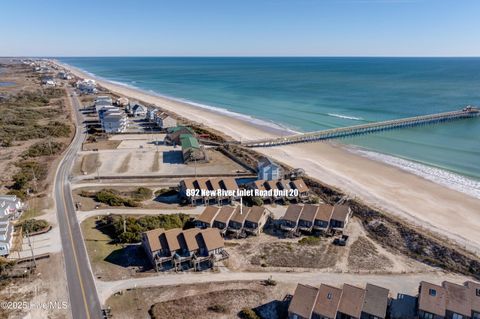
[34, 225]
[142, 193]
[310, 241]
[112, 198]
[129, 229]
[44, 148]
[29, 171]
[248, 313]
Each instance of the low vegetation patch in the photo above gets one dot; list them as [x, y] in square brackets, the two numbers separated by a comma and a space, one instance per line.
[310, 241]
[113, 197]
[248, 313]
[24, 116]
[30, 170]
[129, 229]
[142, 193]
[34, 225]
[5, 266]
[44, 148]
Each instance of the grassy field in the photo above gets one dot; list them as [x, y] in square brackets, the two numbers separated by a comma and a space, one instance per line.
[110, 261]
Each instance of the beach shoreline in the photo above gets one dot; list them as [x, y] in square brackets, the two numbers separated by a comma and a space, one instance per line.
[378, 184]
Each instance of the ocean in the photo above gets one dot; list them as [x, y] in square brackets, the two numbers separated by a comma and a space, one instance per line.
[315, 93]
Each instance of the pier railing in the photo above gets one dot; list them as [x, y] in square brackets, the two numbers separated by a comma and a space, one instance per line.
[467, 112]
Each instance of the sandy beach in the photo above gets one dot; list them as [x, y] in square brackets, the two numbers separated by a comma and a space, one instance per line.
[422, 202]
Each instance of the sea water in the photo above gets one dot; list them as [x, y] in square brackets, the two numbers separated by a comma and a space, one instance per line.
[309, 94]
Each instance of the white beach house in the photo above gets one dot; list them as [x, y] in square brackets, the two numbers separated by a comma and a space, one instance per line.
[6, 235]
[87, 86]
[165, 121]
[138, 110]
[269, 170]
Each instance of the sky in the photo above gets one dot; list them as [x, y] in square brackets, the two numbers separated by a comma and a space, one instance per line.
[240, 28]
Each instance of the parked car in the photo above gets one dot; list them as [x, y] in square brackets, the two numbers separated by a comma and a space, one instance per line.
[342, 241]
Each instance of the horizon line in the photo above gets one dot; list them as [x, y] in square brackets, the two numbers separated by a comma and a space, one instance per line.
[238, 56]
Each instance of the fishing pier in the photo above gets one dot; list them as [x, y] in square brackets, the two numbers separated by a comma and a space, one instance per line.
[341, 132]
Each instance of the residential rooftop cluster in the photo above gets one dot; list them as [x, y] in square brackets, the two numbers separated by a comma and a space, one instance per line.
[183, 249]
[215, 183]
[316, 217]
[235, 220]
[445, 301]
[449, 300]
[328, 302]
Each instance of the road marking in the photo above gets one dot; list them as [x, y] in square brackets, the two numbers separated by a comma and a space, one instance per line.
[70, 229]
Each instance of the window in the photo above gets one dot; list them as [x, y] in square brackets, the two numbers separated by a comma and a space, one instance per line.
[329, 296]
[476, 315]
[427, 315]
[477, 292]
[457, 316]
[432, 292]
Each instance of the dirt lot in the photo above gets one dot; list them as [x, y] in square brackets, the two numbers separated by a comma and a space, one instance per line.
[145, 154]
[266, 252]
[361, 254]
[212, 300]
[37, 289]
[364, 255]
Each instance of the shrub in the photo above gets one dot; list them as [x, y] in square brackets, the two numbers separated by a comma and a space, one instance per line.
[310, 241]
[109, 197]
[29, 170]
[142, 193]
[218, 308]
[270, 282]
[43, 149]
[248, 313]
[22, 194]
[135, 226]
[34, 225]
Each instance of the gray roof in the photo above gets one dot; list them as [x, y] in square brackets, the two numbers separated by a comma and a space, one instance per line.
[376, 300]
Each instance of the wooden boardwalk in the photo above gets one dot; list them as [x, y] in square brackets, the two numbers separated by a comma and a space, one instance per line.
[467, 112]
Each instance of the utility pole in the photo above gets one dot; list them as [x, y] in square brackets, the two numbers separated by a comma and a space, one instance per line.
[31, 250]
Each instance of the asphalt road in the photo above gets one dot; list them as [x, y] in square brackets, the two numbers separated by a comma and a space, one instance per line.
[84, 302]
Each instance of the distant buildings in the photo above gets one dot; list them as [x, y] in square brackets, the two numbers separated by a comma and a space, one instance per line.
[48, 80]
[177, 248]
[269, 170]
[164, 121]
[87, 86]
[122, 102]
[136, 109]
[102, 101]
[64, 75]
[112, 119]
[114, 122]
